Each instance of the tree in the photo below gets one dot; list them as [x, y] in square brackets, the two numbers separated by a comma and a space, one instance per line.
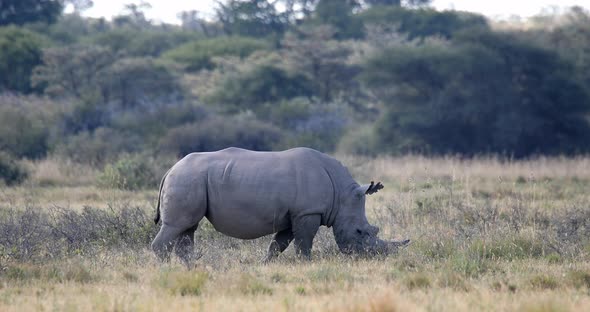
[130, 82]
[485, 93]
[21, 133]
[255, 18]
[20, 52]
[422, 23]
[315, 53]
[384, 2]
[96, 74]
[20, 12]
[198, 54]
[339, 15]
[79, 5]
[135, 16]
[190, 20]
[72, 70]
[218, 133]
[570, 40]
[263, 84]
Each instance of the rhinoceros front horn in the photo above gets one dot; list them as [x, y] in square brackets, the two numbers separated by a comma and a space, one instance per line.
[402, 243]
[392, 247]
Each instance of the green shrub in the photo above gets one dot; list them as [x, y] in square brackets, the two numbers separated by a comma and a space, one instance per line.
[359, 140]
[142, 43]
[218, 133]
[423, 23]
[98, 147]
[434, 106]
[20, 52]
[265, 84]
[197, 55]
[22, 133]
[11, 172]
[129, 173]
[311, 124]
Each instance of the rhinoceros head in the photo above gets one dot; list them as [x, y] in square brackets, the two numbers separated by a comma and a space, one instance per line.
[352, 231]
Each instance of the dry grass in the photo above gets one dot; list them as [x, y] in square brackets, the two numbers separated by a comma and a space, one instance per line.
[487, 235]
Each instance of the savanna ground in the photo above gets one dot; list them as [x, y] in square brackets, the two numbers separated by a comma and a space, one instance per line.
[487, 235]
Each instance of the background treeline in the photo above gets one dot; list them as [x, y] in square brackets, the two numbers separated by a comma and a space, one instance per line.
[364, 77]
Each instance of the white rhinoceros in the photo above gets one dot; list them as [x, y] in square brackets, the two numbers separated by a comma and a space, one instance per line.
[247, 194]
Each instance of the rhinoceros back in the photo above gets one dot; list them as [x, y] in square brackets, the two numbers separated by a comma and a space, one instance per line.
[251, 194]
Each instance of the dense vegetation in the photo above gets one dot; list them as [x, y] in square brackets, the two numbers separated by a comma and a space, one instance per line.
[364, 77]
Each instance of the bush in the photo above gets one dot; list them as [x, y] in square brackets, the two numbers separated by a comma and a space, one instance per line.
[98, 147]
[436, 103]
[218, 133]
[424, 22]
[359, 140]
[198, 55]
[11, 172]
[20, 52]
[141, 43]
[311, 124]
[22, 134]
[35, 234]
[154, 122]
[138, 81]
[261, 85]
[129, 173]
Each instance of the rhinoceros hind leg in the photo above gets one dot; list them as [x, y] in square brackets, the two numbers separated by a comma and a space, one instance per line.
[279, 243]
[164, 241]
[304, 230]
[184, 248]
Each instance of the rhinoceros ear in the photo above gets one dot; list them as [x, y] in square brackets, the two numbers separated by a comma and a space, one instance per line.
[369, 189]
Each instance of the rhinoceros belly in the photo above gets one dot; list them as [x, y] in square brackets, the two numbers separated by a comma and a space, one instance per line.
[247, 221]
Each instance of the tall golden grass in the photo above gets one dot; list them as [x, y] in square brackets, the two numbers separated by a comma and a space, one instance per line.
[488, 234]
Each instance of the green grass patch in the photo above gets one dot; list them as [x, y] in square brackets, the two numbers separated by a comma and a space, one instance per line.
[183, 283]
[417, 281]
[250, 285]
[70, 272]
[543, 281]
[579, 278]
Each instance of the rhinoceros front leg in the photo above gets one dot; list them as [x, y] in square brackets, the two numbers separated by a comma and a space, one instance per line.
[279, 243]
[304, 230]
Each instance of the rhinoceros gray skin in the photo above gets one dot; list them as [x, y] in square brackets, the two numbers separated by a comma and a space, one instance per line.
[247, 195]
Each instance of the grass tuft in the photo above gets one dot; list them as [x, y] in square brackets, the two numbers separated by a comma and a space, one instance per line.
[250, 285]
[189, 283]
[579, 279]
[417, 281]
[543, 281]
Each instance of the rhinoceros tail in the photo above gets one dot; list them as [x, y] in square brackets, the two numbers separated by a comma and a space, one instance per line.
[157, 217]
